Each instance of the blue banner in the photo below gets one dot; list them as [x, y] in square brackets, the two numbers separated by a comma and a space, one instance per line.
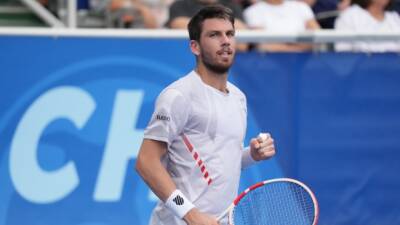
[73, 110]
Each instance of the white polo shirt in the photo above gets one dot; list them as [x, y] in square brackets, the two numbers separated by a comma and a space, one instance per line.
[204, 129]
[290, 16]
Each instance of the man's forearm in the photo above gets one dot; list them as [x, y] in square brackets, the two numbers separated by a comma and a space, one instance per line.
[150, 168]
[152, 171]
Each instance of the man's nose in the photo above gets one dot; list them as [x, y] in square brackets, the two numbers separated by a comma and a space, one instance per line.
[225, 40]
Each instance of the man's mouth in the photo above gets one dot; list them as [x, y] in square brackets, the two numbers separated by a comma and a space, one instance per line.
[225, 52]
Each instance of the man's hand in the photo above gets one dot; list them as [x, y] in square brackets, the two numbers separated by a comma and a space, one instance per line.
[262, 147]
[195, 217]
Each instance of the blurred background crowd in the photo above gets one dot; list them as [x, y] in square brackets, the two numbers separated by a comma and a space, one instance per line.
[270, 15]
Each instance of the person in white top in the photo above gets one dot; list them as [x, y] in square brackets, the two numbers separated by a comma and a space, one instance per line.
[368, 16]
[192, 152]
[281, 16]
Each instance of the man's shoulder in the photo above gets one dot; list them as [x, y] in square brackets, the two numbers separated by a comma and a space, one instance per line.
[182, 82]
[183, 86]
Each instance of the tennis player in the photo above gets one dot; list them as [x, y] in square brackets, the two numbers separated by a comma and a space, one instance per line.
[192, 152]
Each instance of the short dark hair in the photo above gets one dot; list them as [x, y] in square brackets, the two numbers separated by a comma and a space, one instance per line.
[209, 12]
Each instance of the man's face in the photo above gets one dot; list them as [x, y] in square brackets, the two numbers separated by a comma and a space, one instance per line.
[217, 45]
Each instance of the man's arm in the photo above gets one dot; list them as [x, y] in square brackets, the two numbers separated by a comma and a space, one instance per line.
[260, 148]
[150, 168]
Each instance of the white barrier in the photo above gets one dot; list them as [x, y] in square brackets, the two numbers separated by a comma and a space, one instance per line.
[255, 36]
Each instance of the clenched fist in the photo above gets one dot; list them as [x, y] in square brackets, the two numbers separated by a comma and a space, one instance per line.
[262, 147]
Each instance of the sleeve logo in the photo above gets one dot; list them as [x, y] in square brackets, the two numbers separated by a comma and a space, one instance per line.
[162, 117]
[178, 200]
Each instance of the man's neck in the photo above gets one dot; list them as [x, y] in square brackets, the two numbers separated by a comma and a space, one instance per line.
[217, 81]
[377, 12]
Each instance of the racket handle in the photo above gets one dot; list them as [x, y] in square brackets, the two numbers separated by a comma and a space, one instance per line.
[225, 212]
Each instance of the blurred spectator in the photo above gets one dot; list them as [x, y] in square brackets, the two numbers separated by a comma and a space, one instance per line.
[181, 11]
[396, 6]
[326, 11]
[245, 3]
[125, 13]
[281, 16]
[310, 3]
[50, 5]
[372, 16]
[159, 8]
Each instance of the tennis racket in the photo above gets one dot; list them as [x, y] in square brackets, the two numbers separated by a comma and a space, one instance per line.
[282, 201]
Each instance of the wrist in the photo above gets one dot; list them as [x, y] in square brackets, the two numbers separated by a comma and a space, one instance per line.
[254, 156]
[179, 204]
[248, 158]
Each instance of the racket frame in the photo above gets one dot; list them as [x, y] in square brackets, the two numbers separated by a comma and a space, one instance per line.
[231, 207]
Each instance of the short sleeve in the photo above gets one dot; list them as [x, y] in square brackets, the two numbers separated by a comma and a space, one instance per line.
[169, 117]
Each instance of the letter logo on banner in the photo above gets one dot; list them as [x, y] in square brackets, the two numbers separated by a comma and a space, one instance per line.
[30, 180]
[123, 143]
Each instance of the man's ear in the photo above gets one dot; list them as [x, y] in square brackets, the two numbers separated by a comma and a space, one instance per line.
[195, 47]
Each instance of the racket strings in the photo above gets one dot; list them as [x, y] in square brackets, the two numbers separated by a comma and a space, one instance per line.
[280, 203]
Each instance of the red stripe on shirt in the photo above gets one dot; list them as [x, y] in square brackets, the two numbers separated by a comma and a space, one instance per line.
[196, 156]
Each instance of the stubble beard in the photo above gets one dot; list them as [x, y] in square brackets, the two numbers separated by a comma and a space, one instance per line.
[220, 69]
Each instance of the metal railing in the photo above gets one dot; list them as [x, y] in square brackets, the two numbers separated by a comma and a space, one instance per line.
[253, 36]
[43, 13]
